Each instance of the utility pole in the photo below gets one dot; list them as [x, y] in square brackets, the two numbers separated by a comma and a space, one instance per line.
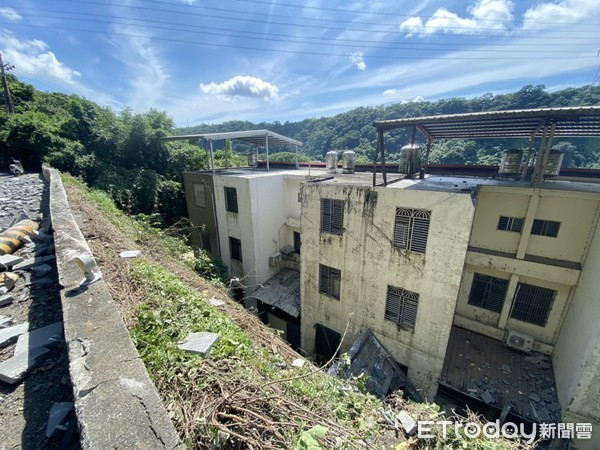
[8, 98]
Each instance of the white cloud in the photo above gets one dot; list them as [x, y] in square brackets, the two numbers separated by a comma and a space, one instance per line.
[242, 86]
[187, 2]
[10, 14]
[34, 58]
[358, 60]
[549, 15]
[486, 16]
[390, 92]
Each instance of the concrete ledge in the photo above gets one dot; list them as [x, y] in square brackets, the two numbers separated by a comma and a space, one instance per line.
[117, 404]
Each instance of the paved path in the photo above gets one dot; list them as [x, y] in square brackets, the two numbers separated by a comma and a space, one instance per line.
[25, 406]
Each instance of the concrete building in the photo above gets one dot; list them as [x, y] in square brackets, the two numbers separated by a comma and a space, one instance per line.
[483, 289]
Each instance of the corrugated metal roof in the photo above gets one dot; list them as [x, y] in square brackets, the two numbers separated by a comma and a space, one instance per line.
[282, 291]
[524, 123]
[256, 137]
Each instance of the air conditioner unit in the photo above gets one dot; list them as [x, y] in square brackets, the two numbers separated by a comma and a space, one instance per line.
[274, 259]
[518, 340]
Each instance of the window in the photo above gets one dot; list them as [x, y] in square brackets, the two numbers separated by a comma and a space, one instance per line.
[411, 229]
[545, 228]
[199, 195]
[235, 248]
[532, 304]
[401, 306]
[488, 292]
[231, 204]
[205, 239]
[510, 224]
[297, 242]
[332, 216]
[329, 281]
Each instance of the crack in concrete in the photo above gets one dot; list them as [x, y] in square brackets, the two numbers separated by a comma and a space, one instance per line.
[156, 434]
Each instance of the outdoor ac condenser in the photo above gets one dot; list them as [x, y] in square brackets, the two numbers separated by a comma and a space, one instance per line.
[518, 340]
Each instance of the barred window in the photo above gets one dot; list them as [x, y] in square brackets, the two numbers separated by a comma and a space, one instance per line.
[545, 228]
[329, 281]
[231, 203]
[411, 229]
[401, 306]
[532, 304]
[488, 292]
[510, 224]
[332, 216]
[235, 248]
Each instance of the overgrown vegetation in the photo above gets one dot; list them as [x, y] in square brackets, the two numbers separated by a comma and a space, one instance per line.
[245, 393]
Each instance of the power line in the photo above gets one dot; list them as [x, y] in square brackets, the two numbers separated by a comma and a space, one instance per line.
[262, 21]
[264, 36]
[289, 39]
[294, 52]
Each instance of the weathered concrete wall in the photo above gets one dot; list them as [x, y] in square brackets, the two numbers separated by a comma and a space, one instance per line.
[576, 211]
[369, 263]
[201, 210]
[117, 404]
[576, 356]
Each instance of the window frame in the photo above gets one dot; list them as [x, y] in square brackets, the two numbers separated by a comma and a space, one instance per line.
[231, 200]
[235, 243]
[327, 285]
[532, 304]
[509, 223]
[547, 228]
[411, 229]
[404, 313]
[332, 216]
[487, 283]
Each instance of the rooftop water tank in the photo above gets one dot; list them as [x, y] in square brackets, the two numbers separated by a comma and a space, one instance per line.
[348, 161]
[555, 159]
[510, 165]
[409, 162]
[252, 159]
[331, 160]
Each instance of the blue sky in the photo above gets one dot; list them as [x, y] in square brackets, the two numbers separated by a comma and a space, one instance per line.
[212, 61]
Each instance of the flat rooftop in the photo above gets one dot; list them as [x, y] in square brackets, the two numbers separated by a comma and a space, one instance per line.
[442, 183]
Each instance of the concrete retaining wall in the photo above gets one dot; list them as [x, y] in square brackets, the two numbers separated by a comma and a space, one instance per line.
[117, 404]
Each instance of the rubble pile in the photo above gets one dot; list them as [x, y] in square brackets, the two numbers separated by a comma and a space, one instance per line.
[31, 330]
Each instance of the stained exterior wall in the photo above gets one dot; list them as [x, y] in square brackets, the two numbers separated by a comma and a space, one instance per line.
[369, 263]
[537, 260]
[201, 216]
[576, 356]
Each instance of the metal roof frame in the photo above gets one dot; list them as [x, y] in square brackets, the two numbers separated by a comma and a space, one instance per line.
[260, 138]
[576, 121]
[256, 137]
[543, 123]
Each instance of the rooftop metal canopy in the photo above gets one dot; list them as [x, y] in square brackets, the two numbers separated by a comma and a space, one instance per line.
[525, 123]
[256, 137]
[260, 138]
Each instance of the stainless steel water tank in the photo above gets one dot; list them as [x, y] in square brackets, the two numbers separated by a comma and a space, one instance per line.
[555, 159]
[410, 159]
[510, 165]
[348, 161]
[331, 160]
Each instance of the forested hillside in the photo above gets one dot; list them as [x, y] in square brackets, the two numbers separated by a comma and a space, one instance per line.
[122, 153]
[353, 129]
